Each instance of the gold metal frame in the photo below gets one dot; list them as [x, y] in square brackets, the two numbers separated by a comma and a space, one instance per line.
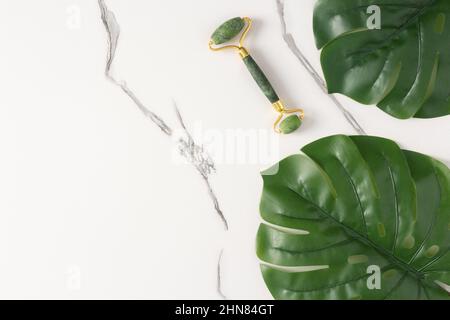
[240, 48]
[282, 110]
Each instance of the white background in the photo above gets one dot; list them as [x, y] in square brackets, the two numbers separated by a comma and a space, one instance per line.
[92, 201]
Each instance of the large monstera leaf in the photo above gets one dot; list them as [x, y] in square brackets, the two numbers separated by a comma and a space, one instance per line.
[403, 67]
[372, 219]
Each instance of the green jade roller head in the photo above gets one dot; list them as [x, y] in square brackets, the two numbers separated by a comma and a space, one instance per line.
[288, 120]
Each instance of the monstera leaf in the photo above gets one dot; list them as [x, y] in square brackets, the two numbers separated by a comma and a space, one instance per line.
[403, 67]
[370, 219]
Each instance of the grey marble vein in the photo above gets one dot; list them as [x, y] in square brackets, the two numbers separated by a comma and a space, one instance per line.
[219, 277]
[290, 41]
[193, 152]
[113, 31]
[201, 161]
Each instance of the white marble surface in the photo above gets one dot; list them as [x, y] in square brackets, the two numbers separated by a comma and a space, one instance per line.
[95, 201]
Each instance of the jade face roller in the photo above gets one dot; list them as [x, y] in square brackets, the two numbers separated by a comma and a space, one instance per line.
[288, 120]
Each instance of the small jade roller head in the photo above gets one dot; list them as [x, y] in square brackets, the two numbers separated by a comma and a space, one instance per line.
[290, 124]
[289, 120]
[227, 31]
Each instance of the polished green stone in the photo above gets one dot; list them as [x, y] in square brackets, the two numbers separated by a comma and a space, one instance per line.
[290, 124]
[228, 30]
[261, 79]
